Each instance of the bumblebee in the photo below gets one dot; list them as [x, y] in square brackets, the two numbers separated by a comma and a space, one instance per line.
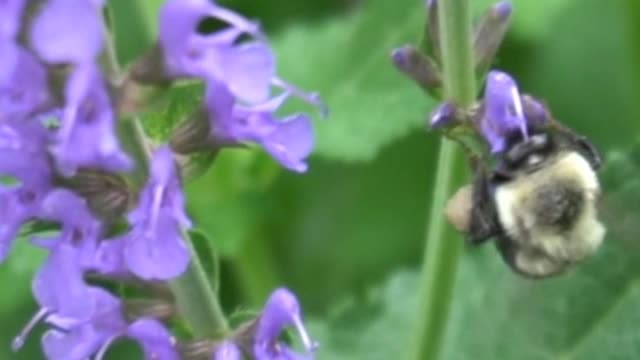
[539, 201]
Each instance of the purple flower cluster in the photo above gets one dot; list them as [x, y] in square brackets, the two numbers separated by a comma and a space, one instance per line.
[239, 76]
[54, 131]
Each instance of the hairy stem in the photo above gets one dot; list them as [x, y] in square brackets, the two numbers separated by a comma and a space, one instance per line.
[194, 293]
[442, 247]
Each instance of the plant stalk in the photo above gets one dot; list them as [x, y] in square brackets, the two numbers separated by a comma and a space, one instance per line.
[194, 293]
[443, 246]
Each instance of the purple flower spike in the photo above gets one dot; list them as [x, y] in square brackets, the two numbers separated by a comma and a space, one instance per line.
[503, 110]
[227, 351]
[282, 310]
[68, 31]
[87, 135]
[10, 16]
[155, 248]
[155, 340]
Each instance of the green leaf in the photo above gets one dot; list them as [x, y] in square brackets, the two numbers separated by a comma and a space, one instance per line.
[346, 59]
[498, 315]
[375, 327]
[228, 202]
[18, 271]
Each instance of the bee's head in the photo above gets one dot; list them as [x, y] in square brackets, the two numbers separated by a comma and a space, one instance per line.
[524, 154]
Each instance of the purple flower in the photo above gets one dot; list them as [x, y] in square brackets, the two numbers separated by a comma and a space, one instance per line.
[246, 68]
[68, 31]
[227, 351]
[503, 110]
[59, 285]
[156, 342]
[78, 340]
[155, 248]
[87, 136]
[289, 141]
[282, 310]
[23, 82]
[23, 158]
[10, 14]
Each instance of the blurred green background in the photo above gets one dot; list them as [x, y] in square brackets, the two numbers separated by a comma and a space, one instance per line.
[347, 236]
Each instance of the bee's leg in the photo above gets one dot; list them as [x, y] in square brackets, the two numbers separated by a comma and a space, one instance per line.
[484, 219]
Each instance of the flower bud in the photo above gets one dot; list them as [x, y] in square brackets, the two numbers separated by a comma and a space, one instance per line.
[107, 194]
[417, 66]
[445, 115]
[192, 135]
[432, 32]
[489, 34]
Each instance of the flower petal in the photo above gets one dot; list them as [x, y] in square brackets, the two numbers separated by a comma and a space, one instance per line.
[56, 34]
[156, 341]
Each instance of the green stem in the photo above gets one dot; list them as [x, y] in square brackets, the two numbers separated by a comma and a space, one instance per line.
[443, 248]
[196, 300]
[457, 51]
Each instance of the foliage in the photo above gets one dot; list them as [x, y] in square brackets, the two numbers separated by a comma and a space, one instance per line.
[348, 235]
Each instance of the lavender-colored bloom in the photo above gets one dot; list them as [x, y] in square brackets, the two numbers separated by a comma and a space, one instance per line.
[87, 136]
[503, 110]
[78, 340]
[59, 285]
[10, 16]
[109, 258]
[155, 340]
[227, 351]
[289, 140]
[247, 69]
[68, 31]
[23, 82]
[154, 247]
[23, 158]
[281, 310]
